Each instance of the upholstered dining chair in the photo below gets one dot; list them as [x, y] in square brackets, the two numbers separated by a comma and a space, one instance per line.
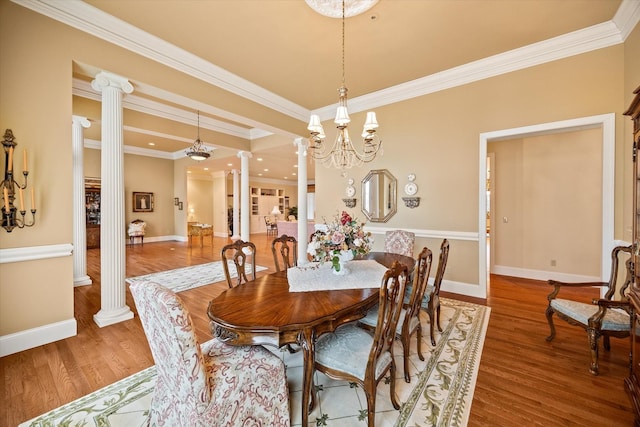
[212, 384]
[135, 230]
[354, 354]
[243, 257]
[285, 248]
[409, 322]
[606, 317]
[399, 242]
[431, 299]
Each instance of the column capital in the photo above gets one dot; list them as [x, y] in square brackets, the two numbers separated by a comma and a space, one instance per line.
[245, 154]
[105, 79]
[301, 143]
[80, 121]
[235, 171]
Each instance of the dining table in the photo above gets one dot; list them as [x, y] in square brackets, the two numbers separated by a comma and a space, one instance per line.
[267, 311]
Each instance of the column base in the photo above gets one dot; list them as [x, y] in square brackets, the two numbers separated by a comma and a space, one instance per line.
[109, 317]
[235, 237]
[82, 281]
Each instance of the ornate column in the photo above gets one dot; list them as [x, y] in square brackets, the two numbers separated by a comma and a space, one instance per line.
[236, 205]
[245, 225]
[303, 235]
[112, 227]
[80, 276]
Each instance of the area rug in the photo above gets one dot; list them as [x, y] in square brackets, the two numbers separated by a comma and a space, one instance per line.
[440, 392]
[182, 279]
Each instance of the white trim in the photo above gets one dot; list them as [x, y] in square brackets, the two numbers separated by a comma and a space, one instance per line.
[528, 273]
[35, 252]
[461, 288]
[93, 21]
[429, 234]
[607, 123]
[30, 338]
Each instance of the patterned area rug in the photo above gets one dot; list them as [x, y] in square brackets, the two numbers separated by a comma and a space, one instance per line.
[440, 392]
[182, 279]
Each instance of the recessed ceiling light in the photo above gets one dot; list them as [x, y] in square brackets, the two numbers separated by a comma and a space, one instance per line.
[286, 177]
[259, 159]
[229, 164]
[259, 174]
[293, 174]
[295, 166]
[152, 143]
[206, 169]
[266, 170]
[188, 171]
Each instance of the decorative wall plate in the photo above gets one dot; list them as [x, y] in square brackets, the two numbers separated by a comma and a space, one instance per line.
[412, 177]
[350, 191]
[410, 189]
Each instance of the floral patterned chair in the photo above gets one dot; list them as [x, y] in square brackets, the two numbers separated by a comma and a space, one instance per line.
[409, 322]
[352, 354]
[136, 229]
[210, 385]
[399, 242]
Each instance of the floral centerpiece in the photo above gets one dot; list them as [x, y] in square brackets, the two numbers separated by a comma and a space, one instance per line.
[343, 239]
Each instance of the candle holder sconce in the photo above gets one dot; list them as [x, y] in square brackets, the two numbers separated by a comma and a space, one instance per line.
[10, 219]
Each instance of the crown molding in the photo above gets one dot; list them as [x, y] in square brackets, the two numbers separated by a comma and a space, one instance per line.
[91, 20]
[139, 151]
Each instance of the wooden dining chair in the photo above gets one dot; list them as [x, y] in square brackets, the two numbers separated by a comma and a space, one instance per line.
[242, 255]
[409, 322]
[285, 248]
[354, 354]
[431, 299]
[606, 317]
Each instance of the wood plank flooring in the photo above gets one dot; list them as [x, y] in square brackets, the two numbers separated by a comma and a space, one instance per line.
[523, 380]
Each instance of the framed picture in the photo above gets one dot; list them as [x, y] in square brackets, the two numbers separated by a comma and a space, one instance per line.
[180, 206]
[176, 201]
[142, 202]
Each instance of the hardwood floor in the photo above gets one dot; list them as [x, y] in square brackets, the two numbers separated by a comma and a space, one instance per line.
[523, 380]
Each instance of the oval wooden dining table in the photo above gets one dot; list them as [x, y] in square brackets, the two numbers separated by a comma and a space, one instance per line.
[265, 312]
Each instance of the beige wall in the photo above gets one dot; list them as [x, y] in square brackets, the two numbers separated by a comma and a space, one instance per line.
[549, 190]
[434, 136]
[200, 199]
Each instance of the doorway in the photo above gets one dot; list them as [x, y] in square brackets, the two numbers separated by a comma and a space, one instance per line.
[607, 123]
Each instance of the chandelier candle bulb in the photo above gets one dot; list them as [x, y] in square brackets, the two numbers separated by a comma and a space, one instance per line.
[24, 161]
[33, 200]
[21, 193]
[10, 165]
[6, 200]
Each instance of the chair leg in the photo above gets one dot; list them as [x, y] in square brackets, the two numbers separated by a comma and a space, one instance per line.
[593, 336]
[432, 327]
[406, 346]
[392, 389]
[549, 314]
[606, 342]
[438, 317]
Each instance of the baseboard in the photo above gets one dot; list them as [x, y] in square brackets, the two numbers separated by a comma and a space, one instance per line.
[30, 338]
[526, 273]
[461, 288]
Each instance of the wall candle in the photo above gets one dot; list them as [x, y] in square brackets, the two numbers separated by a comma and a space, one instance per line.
[21, 200]
[33, 200]
[6, 200]
[10, 166]
[24, 160]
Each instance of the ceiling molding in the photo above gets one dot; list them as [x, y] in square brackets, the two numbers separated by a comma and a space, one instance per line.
[91, 20]
[147, 152]
[100, 24]
[575, 43]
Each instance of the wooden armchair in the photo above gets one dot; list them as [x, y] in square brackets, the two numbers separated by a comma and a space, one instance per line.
[605, 316]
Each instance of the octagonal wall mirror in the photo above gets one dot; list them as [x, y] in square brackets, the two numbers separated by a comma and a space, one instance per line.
[379, 189]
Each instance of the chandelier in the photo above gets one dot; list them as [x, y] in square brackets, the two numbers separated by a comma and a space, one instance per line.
[343, 154]
[198, 151]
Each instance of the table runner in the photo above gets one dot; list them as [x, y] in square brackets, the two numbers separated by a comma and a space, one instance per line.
[316, 276]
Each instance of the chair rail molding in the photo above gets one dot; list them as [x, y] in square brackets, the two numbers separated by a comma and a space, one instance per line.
[33, 253]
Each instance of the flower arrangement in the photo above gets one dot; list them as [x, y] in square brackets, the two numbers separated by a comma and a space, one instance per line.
[342, 241]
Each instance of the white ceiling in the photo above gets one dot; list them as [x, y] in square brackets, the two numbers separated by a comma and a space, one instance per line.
[273, 62]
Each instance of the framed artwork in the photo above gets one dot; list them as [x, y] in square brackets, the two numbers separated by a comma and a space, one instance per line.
[176, 201]
[180, 206]
[142, 202]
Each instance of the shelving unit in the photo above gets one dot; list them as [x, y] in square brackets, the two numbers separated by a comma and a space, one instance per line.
[262, 202]
[92, 209]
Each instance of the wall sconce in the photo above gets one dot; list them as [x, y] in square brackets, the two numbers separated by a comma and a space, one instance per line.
[10, 219]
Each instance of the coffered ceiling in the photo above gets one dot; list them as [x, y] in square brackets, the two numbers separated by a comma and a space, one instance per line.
[270, 63]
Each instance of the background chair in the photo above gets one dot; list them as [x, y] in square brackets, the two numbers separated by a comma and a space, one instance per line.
[409, 322]
[352, 354]
[399, 242]
[210, 385]
[136, 229]
[287, 248]
[431, 299]
[243, 256]
[602, 317]
[272, 226]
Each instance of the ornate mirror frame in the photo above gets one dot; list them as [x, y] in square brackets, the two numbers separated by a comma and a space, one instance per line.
[379, 195]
